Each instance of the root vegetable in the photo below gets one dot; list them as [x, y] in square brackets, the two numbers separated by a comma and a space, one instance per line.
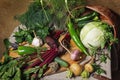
[75, 55]
[76, 69]
[53, 66]
[47, 57]
[89, 67]
[37, 42]
[51, 42]
[60, 41]
[57, 34]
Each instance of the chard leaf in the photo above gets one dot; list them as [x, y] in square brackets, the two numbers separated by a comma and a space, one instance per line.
[17, 75]
[32, 70]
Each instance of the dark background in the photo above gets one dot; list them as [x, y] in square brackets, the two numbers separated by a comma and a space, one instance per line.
[10, 8]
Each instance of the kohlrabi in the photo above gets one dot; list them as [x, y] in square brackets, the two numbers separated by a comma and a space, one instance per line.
[96, 34]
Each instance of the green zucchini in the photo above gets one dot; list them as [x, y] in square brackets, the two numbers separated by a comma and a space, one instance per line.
[62, 62]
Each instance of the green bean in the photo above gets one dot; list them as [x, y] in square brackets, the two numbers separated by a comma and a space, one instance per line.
[87, 17]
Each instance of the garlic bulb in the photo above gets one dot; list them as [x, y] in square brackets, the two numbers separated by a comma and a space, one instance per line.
[37, 42]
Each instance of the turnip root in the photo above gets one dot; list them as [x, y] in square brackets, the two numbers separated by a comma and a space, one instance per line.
[89, 67]
[75, 55]
[76, 69]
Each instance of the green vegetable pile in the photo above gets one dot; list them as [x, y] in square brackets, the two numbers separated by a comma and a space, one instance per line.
[10, 70]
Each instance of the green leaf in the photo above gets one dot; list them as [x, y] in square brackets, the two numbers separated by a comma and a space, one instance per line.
[42, 33]
[32, 70]
[41, 71]
[29, 38]
[23, 35]
[1, 74]
[19, 39]
[7, 58]
[98, 69]
[69, 73]
[6, 43]
[11, 71]
[103, 58]
[17, 75]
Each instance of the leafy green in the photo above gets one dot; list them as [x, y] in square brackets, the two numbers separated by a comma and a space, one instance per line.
[103, 58]
[36, 70]
[69, 73]
[32, 70]
[23, 35]
[44, 15]
[98, 69]
[39, 49]
[41, 71]
[6, 43]
[85, 74]
[35, 19]
[9, 70]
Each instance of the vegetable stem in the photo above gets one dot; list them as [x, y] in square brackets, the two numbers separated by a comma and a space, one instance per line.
[41, 1]
[60, 41]
[86, 17]
[66, 3]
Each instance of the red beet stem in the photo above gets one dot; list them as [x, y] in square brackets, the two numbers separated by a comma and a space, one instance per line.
[57, 34]
[50, 57]
[44, 57]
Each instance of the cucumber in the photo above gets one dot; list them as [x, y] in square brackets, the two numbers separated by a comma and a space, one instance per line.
[62, 62]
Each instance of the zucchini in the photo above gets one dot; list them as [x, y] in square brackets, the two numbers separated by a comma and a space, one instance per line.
[62, 62]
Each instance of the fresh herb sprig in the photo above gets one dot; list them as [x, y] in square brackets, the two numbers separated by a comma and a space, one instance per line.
[23, 35]
[44, 15]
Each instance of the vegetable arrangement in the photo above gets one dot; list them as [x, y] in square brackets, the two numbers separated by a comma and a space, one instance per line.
[52, 31]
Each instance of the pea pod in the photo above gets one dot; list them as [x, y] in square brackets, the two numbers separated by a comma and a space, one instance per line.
[24, 50]
[75, 38]
[61, 62]
[86, 17]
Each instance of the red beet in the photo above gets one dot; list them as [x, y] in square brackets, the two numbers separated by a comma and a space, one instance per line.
[45, 56]
[50, 57]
